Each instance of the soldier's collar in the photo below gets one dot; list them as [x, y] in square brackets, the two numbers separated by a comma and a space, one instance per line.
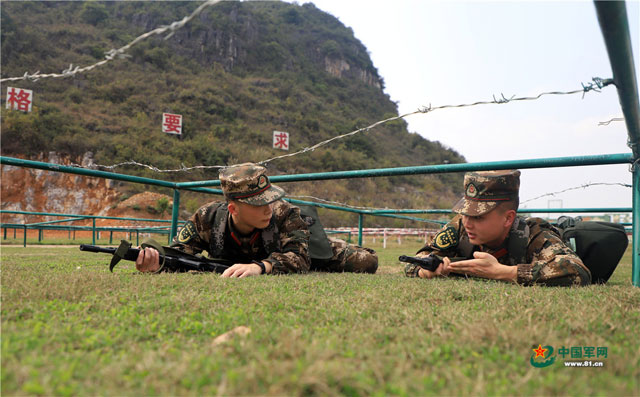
[232, 228]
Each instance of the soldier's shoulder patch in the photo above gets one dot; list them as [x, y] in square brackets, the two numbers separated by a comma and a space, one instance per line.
[187, 233]
[446, 238]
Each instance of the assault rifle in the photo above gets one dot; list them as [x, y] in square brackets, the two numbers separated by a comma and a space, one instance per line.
[171, 260]
[430, 262]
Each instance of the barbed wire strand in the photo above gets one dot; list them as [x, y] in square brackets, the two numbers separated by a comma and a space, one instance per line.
[586, 185]
[321, 200]
[120, 52]
[610, 121]
[596, 85]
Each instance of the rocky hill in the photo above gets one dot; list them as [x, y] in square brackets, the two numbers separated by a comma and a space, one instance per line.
[236, 72]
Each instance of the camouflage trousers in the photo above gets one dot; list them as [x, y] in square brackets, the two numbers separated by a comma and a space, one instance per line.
[347, 258]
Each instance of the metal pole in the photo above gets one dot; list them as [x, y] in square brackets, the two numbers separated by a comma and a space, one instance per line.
[83, 171]
[174, 215]
[635, 269]
[360, 221]
[612, 16]
[93, 231]
[24, 244]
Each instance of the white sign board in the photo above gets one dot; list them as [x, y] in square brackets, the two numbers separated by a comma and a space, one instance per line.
[19, 99]
[281, 140]
[172, 123]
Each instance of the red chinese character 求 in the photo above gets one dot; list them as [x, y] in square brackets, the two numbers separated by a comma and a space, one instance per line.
[281, 140]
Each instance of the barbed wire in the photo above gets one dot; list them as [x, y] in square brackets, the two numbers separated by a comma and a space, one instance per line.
[596, 84]
[151, 167]
[120, 52]
[432, 221]
[343, 204]
[610, 121]
[584, 186]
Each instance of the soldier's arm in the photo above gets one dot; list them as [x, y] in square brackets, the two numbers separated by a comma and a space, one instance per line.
[193, 237]
[294, 240]
[554, 264]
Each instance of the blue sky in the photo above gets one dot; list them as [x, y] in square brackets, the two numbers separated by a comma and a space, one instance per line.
[453, 52]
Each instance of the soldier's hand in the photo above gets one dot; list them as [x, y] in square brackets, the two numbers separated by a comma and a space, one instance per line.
[441, 270]
[148, 260]
[241, 270]
[485, 265]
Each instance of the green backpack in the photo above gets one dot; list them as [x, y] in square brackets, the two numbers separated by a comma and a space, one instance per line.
[319, 245]
[600, 245]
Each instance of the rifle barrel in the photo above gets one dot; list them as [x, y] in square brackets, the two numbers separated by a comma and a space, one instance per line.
[95, 248]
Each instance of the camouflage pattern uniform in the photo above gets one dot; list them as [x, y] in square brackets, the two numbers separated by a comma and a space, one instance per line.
[284, 242]
[347, 258]
[533, 245]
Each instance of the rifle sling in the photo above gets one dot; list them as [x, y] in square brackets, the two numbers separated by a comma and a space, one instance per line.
[154, 244]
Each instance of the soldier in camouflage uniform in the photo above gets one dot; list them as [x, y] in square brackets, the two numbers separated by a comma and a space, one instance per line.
[258, 231]
[497, 244]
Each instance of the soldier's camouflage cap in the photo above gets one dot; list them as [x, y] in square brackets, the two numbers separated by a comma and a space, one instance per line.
[484, 190]
[249, 183]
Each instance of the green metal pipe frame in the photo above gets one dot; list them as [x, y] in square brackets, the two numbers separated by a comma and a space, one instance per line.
[620, 158]
[572, 161]
[85, 216]
[174, 214]
[614, 24]
[360, 225]
[635, 269]
[82, 171]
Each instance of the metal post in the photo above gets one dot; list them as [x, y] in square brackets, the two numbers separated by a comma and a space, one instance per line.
[14, 232]
[360, 216]
[5, 233]
[635, 269]
[39, 235]
[93, 231]
[174, 216]
[614, 24]
[25, 236]
[111, 237]
[137, 237]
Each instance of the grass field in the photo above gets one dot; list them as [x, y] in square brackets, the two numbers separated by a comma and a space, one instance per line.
[69, 327]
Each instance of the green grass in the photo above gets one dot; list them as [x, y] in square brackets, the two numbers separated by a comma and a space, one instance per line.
[69, 327]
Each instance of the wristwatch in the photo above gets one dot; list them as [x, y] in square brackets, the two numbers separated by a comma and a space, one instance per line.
[263, 269]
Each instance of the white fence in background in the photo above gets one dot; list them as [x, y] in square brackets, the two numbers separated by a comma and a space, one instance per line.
[385, 233]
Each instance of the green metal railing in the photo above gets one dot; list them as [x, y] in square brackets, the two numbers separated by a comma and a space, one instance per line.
[49, 225]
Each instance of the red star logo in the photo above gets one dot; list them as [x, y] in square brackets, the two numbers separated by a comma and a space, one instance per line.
[540, 351]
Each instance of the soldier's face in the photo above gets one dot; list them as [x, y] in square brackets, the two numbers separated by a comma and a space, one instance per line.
[489, 229]
[251, 216]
